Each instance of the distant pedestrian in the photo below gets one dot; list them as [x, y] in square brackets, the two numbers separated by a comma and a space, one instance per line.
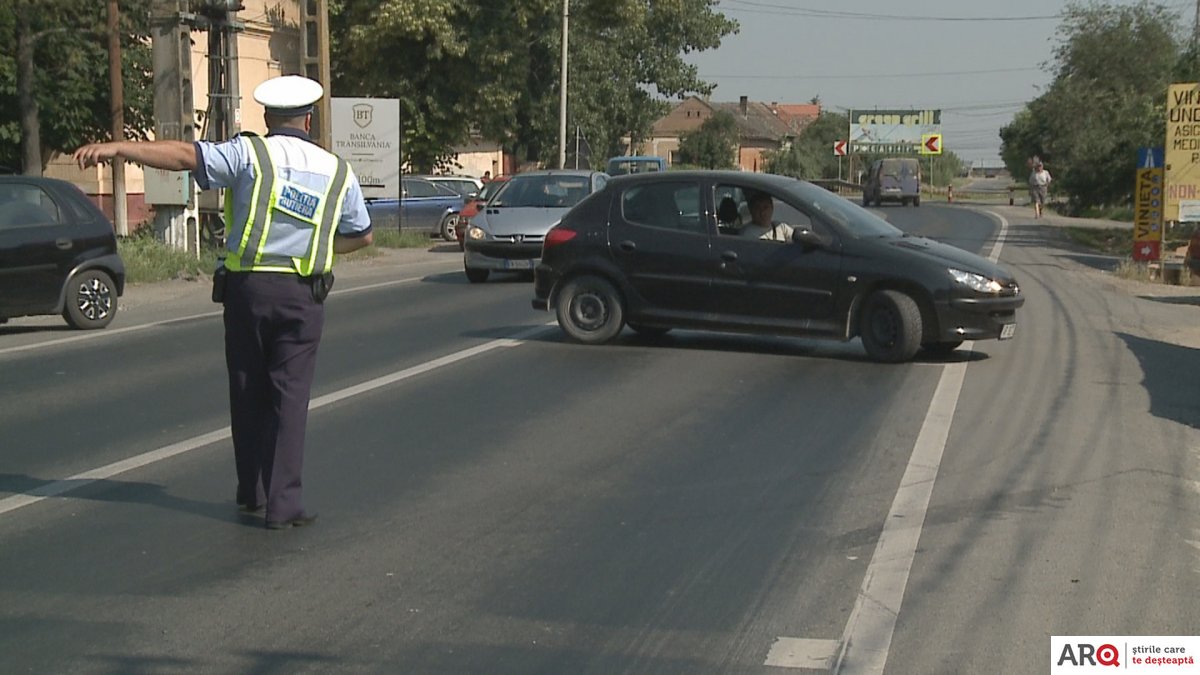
[487, 176]
[1039, 186]
[291, 207]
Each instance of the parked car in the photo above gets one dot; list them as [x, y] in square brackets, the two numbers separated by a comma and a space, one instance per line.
[648, 251]
[619, 166]
[58, 254]
[895, 179]
[423, 207]
[467, 186]
[473, 206]
[507, 235]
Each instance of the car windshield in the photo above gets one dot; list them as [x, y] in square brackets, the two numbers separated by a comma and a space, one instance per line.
[545, 191]
[847, 216]
[491, 188]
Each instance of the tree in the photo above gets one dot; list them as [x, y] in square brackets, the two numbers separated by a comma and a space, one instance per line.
[811, 155]
[1111, 71]
[54, 77]
[492, 67]
[713, 145]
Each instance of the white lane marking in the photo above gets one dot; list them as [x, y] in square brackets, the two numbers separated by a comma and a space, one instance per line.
[109, 332]
[868, 635]
[79, 480]
[994, 256]
[802, 653]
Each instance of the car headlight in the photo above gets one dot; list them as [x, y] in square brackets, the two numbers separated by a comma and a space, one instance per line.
[976, 282]
[476, 233]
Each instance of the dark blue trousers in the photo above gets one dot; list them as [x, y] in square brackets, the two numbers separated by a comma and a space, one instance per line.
[272, 331]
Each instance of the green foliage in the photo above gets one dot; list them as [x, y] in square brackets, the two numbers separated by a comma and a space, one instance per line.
[148, 260]
[811, 155]
[713, 145]
[492, 67]
[71, 72]
[1111, 71]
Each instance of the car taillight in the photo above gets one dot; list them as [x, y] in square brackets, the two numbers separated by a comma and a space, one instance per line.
[558, 235]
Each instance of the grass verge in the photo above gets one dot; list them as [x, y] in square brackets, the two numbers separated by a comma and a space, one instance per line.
[148, 260]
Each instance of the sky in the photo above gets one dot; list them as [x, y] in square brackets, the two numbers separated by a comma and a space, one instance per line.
[978, 62]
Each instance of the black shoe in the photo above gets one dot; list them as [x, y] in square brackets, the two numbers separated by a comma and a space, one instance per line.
[299, 521]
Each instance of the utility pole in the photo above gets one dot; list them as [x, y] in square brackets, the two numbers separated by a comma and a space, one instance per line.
[562, 94]
[171, 48]
[117, 99]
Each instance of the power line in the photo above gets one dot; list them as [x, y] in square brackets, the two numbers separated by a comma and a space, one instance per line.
[871, 76]
[769, 8]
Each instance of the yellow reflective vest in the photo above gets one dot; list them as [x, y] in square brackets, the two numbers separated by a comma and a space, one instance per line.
[270, 194]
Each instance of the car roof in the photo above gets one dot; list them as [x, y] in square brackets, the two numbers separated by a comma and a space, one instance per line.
[18, 178]
[557, 172]
[752, 179]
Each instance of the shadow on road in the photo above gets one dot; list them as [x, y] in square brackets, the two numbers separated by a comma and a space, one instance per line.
[128, 492]
[1170, 375]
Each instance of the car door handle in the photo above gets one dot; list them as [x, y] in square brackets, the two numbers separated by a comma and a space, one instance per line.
[627, 246]
[729, 256]
[63, 244]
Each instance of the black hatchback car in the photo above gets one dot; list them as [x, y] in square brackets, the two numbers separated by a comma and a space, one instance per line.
[58, 253]
[678, 249]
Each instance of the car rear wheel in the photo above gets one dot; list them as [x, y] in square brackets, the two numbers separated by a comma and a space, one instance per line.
[91, 300]
[589, 310]
[475, 275]
[447, 227]
[891, 326]
[916, 201]
[944, 348]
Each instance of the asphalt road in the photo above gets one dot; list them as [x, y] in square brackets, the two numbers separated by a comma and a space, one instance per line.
[494, 499]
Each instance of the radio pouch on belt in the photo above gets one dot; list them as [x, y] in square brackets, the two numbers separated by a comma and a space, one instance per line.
[220, 276]
[321, 285]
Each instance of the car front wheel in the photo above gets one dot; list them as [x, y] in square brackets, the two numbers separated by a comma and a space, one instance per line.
[476, 275]
[447, 227]
[91, 300]
[891, 326]
[589, 310]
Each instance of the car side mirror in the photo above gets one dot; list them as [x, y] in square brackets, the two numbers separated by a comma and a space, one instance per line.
[807, 238]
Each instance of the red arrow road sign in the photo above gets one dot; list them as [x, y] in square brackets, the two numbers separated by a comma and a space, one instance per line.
[839, 148]
[931, 144]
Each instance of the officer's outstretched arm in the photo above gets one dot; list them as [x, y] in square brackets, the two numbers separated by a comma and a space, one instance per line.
[169, 155]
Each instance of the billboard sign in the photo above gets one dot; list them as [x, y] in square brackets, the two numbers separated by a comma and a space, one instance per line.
[1182, 152]
[366, 133]
[893, 132]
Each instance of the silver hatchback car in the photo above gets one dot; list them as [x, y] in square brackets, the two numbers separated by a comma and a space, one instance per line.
[507, 234]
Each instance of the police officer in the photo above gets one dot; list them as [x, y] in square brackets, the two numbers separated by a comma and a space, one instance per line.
[289, 206]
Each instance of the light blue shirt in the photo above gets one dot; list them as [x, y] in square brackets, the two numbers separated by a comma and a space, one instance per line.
[298, 161]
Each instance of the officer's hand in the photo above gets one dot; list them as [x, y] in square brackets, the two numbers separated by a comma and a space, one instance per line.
[91, 155]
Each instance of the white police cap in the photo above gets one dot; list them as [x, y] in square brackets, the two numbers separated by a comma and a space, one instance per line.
[289, 95]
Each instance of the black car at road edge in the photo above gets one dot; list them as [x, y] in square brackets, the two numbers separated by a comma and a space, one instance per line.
[58, 254]
[670, 250]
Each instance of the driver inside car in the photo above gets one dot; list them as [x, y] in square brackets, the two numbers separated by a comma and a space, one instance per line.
[761, 225]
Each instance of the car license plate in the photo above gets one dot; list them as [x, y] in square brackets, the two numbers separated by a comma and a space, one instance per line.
[518, 264]
[1007, 331]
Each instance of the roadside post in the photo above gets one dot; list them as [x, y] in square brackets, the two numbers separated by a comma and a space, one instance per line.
[839, 151]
